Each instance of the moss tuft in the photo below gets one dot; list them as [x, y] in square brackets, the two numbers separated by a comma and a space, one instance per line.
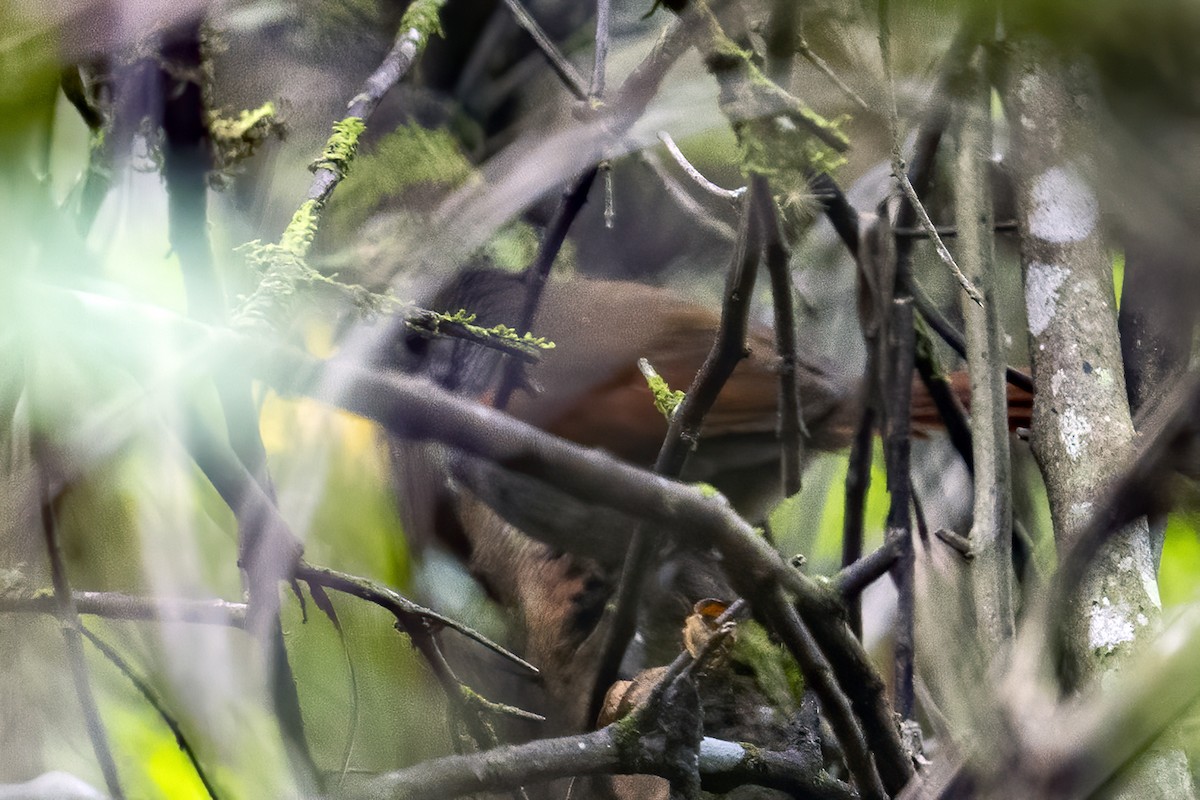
[424, 17]
[340, 148]
[409, 159]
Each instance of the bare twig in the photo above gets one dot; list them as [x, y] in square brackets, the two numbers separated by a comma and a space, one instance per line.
[811, 57]
[157, 703]
[943, 252]
[732, 195]
[600, 62]
[68, 617]
[539, 271]
[558, 62]
[950, 231]
[992, 525]
[791, 421]
[685, 200]
[114, 605]
[818, 677]
[852, 579]
[400, 606]
[900, 170]
[729, 347]
[858, 484]
[897, 445]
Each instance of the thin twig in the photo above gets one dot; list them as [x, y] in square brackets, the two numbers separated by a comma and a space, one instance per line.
[914, 179]
[728, 348]
[952, 336]
[400, 606]
[114, 605]
[791, 419]
[600, 62]
[732, 195]
[558, 62]
[943, 252]
[811, 57]
[685, 200]
[817, 676]
[898, 444]
[851, 580]
[156, 703]
[949, 407]
[539, 272]
[858, 484]
[68, 618]
[949, 231]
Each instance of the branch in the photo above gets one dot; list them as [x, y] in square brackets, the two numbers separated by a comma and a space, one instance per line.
[539, 271]
[284, 262]
[992, 525]
[818, 677]
[857, 576]
[791, 421]
[728, 348]
[157, 703]
[563, 68]
[732, 195]
[68, 617]
[897, 448]
[114, 605]
[400, 606]
[614, 749]
[600, 62]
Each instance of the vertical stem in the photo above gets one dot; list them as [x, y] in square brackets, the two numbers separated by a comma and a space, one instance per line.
[600, 63]
[858, 483]
[728, 348]
[68, 617]
[539, 271]
[899, 522]
[791, 421]
[991, 532]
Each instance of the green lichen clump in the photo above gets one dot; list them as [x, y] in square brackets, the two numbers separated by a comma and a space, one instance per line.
[466, 320]
[298, 236]
[778, 135]
[236, 139]
[423, 16]
[666, 400]
[285, 271]
[514, 247]
[778, 147]
[776, 675]
[340, 148]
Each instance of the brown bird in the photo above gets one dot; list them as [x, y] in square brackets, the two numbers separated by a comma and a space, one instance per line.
[588, 389]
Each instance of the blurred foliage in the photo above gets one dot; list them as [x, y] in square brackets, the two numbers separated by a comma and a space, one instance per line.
[143, 520]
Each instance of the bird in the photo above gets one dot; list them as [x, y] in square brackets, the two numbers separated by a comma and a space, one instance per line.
[588, 389]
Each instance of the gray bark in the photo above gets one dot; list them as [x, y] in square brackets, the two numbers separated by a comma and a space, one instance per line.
[1082, 431]
[991, 531]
